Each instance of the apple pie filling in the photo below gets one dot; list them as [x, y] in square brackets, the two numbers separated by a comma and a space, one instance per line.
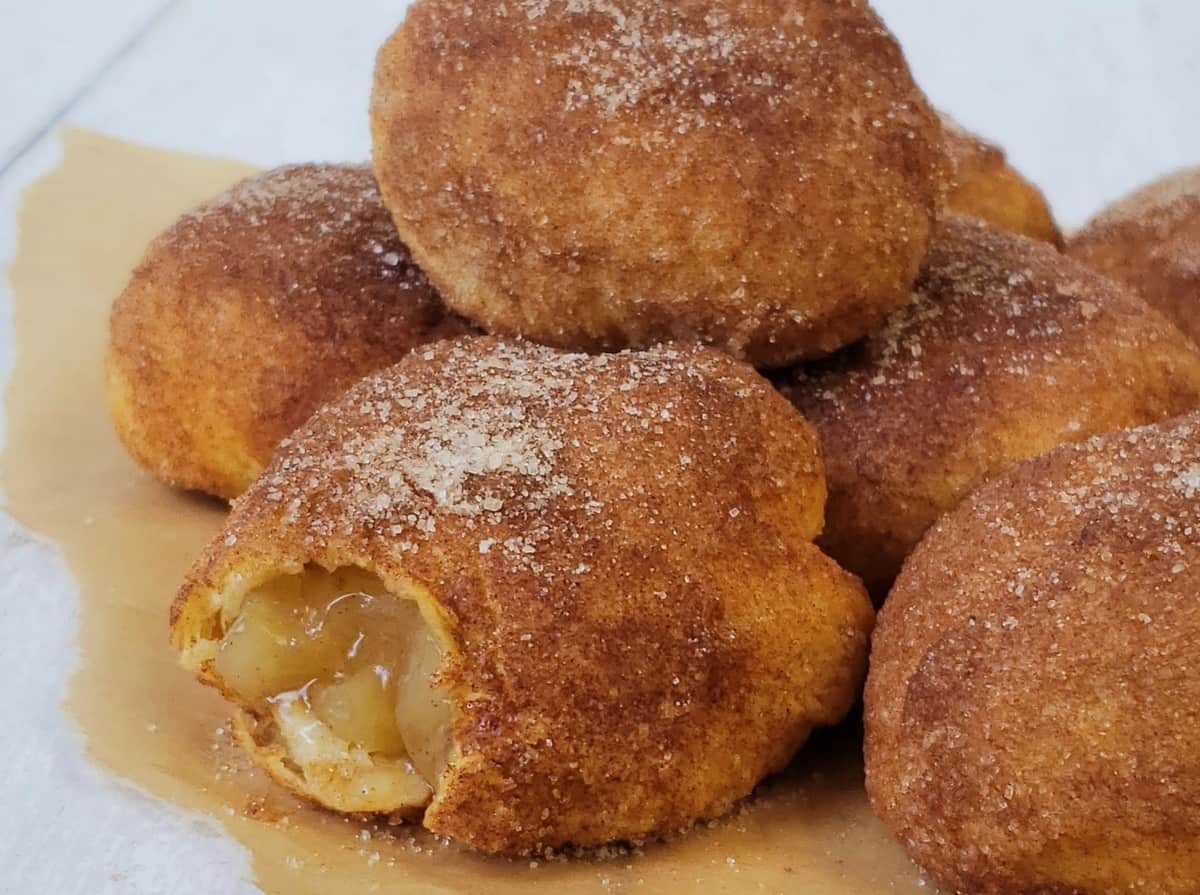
[345, 671]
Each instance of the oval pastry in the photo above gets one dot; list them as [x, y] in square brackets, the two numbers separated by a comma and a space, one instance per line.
[254, 309]
[1033, 706]
[1151, 241]
[537, 598]
[984, 185]
[754, 175]
[1008, 350]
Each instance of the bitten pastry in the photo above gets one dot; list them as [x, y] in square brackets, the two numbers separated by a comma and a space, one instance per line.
[534, 598]
[1008, 350]
[983, 185]
[254, 309]
[1033, 706]
[1151, 241]
[754, 175]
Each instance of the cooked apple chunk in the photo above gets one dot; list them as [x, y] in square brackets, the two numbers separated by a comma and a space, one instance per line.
[338, 673]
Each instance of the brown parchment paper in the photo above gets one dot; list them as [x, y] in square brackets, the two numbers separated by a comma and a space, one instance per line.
[129, 540]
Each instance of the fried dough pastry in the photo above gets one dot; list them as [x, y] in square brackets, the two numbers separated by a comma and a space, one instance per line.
[1151, 241]
[1008, 350]
[600, 174]
[983, 185]
[254, 309]
[534, 598]
[1033, 706]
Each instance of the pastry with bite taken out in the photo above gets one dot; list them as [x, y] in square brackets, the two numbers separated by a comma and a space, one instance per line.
[532, 598]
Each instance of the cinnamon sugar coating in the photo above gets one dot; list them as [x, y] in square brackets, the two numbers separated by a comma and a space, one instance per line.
[617, 551]
[254, 309]
[759, 176]
[1033, 706]
[1008, 350]
[1150, 241]
[984, 185]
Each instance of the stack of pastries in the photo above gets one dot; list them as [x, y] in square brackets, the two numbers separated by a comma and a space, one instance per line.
[531, 430]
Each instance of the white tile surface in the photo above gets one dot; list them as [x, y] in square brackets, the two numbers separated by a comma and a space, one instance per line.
[1091, 97]
[65, 827]
[52, 49]
[264, 81]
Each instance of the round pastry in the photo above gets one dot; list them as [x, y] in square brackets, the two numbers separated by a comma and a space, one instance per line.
[754, 175]
[1008, 350]
[535, 598]
[1151, 241]
[1033, 706]
[983, 185]
[254, 309]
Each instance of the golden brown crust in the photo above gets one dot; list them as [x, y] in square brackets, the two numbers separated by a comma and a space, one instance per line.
[598, 174]
[1008, 350]
[251, 311]
[983, 185]
[1151, 241]
[1033, 706]
[619, 550]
